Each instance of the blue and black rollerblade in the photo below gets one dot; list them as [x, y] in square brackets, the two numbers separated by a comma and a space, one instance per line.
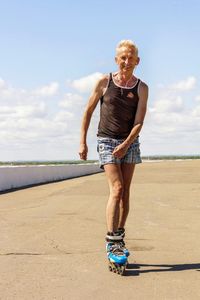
[117, 259]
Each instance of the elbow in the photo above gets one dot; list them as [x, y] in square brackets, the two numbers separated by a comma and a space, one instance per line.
[138, 124]
[138, 127]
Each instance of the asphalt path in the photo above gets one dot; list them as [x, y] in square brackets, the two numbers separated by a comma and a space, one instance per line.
[52, 238]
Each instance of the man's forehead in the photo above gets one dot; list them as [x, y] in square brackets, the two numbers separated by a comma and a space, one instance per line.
[126, 51]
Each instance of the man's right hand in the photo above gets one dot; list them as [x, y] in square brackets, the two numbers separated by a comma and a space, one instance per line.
[83, 150]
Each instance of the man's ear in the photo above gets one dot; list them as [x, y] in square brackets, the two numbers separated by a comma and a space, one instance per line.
[138, 61]
[116, 60]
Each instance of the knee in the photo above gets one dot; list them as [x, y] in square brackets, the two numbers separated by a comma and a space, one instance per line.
[125, 197]
[126, 190]
[117, 190]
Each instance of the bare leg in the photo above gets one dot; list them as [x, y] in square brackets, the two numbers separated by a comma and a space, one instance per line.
[127, 174]
[115, 181]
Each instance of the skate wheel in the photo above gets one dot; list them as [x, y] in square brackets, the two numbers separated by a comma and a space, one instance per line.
[118, 269]
[110, 268]
[122, 270]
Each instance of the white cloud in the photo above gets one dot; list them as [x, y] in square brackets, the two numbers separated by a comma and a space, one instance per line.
[7, 110]
[185, 85]
[36, 111]
[9, 94]
[28, 130]
[64, 116]
[172, 124]
[196, 111]
[197, 98]
[71, 100]
[87, 83]
[47, 90]
[31, 125]
[2, 83]
[23, 111]
[175, 104]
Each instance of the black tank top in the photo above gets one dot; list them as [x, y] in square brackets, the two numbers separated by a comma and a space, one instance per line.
[118, 110]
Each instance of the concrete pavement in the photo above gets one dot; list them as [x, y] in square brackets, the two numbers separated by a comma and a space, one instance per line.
[52, 238]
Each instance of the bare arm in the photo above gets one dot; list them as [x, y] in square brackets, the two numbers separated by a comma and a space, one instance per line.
[139, 119]
[91, 105]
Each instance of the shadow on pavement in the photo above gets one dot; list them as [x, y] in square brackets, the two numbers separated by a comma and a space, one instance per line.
[135, 269]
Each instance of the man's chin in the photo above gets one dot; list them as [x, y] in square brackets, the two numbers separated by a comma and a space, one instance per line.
[128, 69]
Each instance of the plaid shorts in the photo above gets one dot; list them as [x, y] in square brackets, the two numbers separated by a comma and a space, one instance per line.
[105, 147]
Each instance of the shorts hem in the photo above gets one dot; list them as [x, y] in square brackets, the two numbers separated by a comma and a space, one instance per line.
[101, 165]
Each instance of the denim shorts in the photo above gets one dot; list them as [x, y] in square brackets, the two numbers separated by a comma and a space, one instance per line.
[105, 147]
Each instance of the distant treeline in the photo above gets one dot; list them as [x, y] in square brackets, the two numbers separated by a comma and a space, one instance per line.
[67, 162]
[170, 157]
[51, 162]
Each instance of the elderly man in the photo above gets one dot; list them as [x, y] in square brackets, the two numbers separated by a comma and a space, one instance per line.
[123, 99]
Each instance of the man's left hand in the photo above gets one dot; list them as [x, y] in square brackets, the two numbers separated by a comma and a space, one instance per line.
[120, 151]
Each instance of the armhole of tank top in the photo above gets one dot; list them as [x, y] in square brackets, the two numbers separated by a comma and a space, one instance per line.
[138, 88]
[107, 84]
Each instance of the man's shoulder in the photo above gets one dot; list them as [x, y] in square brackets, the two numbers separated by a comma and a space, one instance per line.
[143, 91]
[104, 77]
[143, 85]
[103, 80]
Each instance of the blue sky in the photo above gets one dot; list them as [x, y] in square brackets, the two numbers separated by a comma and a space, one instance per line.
[48, 46]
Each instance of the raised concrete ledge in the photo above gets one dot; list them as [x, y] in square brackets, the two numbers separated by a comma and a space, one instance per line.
[12, 177]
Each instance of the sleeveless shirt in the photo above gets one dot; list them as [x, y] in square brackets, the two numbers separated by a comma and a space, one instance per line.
[118, 108]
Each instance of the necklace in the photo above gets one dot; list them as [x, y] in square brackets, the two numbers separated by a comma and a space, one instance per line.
[126, 84]
[120, 79]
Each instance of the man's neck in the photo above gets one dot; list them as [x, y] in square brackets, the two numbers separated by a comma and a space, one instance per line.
[125, 76]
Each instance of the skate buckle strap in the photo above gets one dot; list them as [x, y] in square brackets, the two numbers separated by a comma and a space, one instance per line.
[116, 237]
[116, 249]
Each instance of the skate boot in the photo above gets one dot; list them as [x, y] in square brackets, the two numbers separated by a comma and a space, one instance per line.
[121, 231]
[117, 260]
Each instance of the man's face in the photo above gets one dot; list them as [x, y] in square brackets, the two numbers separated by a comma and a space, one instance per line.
[126, 59]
